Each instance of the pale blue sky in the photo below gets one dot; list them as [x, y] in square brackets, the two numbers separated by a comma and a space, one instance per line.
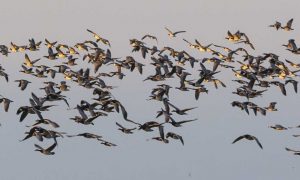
[208, 152]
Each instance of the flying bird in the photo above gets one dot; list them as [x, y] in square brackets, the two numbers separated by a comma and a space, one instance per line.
[288, 26]
[173, 34]
[276, 25]
[248, 137]
[47, 151]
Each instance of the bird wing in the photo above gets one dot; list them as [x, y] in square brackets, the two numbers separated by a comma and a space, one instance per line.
[129, 120]
[36, 60]
[81, 112]
[290, 62]
[293, 45]
[38, 146]
[289, 23]
[71, 135]
[181, 139]
[65, 100]
[23, 115]
[23, 85]
[203, 67]
[36, 99]
[197, 42]
[177, 32]
[251, 45]
[229, 34]
[39, 114]
[90, 31]
[90, 120]
[124, 112]
[222, 84]
[120, 125]
[254, 110]
[176, 108]
[295, 84]
[6, 105]
[187, 41]
[159, 113]
[144, 36]
[185, 121]
[216, 64]
[258, 142]
[52, 123]
[246, 37]
[197, 93]
[219, 46]
[46, 40]
[161, 132]
[187, 109]
[288, 149]
[169, 30]
[282, 88]
[27, 60]
[262, 111]
[140, 67]
[237, 139]
[50, 148]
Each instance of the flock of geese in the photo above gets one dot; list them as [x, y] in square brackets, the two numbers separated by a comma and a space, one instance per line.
[254, 75]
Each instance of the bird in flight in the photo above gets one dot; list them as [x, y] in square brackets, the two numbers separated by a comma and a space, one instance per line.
[248, 137]
[173, 34]
[288, 26]
[48, 151]
[276, 25]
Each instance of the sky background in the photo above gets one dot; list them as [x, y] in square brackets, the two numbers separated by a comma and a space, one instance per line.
[208, 152]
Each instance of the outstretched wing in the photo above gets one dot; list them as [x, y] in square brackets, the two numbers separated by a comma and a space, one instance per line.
[38, 146]
[237, 139]
[257, 141]
[81, 112]
[50, 148]
[124, 112]
[289, 23]
[27, 60]
[181, 139]
[177, 32]
[169, 30]
[120, 125]
[161, 132]
[90, 31]
[185, 121]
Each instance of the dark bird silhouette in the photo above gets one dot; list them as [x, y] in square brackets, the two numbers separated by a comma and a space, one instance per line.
[47, 151]
[248, 137]
[271, 106]
[22, 83]
[161, 136]
[175, 136]
[295, 152]
[276, 25]
[173, 34]
[125, 130]
[87, 135]
[179, 123]
[150, 37]
[294, 83]
[6, 102]
[181, 111]
[46, 121]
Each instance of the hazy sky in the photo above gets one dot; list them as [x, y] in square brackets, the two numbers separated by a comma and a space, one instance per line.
[208, 152]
